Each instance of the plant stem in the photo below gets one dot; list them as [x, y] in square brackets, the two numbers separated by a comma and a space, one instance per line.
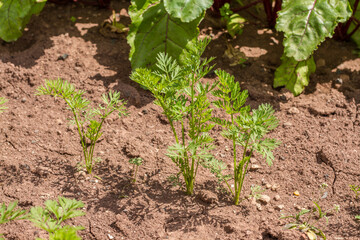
[136, 170]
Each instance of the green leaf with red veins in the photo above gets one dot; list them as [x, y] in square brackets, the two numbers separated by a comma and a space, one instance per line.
[154, 31]
[306, 23]
[294, 75]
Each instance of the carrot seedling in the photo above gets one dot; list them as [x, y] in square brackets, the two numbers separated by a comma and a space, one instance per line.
[245, 128]
[136, 162]
[183, 98]
[89, 120]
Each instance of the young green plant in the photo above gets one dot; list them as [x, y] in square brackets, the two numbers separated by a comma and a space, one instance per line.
[307, 219]
[88, 120]
[183, 98]
[54, 214]
[8, 213]
[356, 190]
[136, 162]
[2, 102]
[244, 128]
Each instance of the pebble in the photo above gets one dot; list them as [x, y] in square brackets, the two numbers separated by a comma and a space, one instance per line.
[264, 199]
[293, 110]
[268, 186]
[297, 207]
[253, 160]
[23, 100]
[254, 167]
[296, 193]
[110, 236]
[277, 197]
[258, 207]
[338, 81]
[270, 210]
[274, 187]
[287, 124]
[280, 207]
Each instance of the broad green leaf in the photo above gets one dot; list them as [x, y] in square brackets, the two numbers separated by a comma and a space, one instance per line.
[356, 35]
[14, 15]
[156, 31]
[306, 23]
[187, 10]
[294, 75]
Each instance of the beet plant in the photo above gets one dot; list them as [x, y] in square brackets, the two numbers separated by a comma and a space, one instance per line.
[245, 128]
[88, 120]
[168, 26]
[183, 98]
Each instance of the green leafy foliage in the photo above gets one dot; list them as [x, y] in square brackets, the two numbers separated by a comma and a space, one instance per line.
[187, 10]
[306, 23]
[88, 120]
[66, 233]
[8, 213]
[154, 30]
[353, 25]
[294, 75]
[307, 219]
[15, 14]
[2, 102]
[245, 128]
[234, 22]
[136, 162]
[54, 213]
[183, 98]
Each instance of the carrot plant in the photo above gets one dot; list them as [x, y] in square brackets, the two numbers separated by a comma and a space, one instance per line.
[88, 120]
[136, 162]
[54, 214]
[183, 98]
[245, 128]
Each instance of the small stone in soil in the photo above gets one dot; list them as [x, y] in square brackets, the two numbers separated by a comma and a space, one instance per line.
[293, 111]
[254, 167]
[264, 199]
[277, 197]
[338, 81]
[63, 57]
[279, 207]
[287, 124]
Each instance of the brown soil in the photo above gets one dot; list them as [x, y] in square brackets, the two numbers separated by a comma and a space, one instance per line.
[39, 151]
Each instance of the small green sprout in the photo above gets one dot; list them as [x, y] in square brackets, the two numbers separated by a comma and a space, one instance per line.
[88, 120]
[8, 213]
[356, 190]
[307, 219]
[256, 191]
[3, 101]
[136, 162]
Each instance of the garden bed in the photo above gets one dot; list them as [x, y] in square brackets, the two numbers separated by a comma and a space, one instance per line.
[39, 150]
